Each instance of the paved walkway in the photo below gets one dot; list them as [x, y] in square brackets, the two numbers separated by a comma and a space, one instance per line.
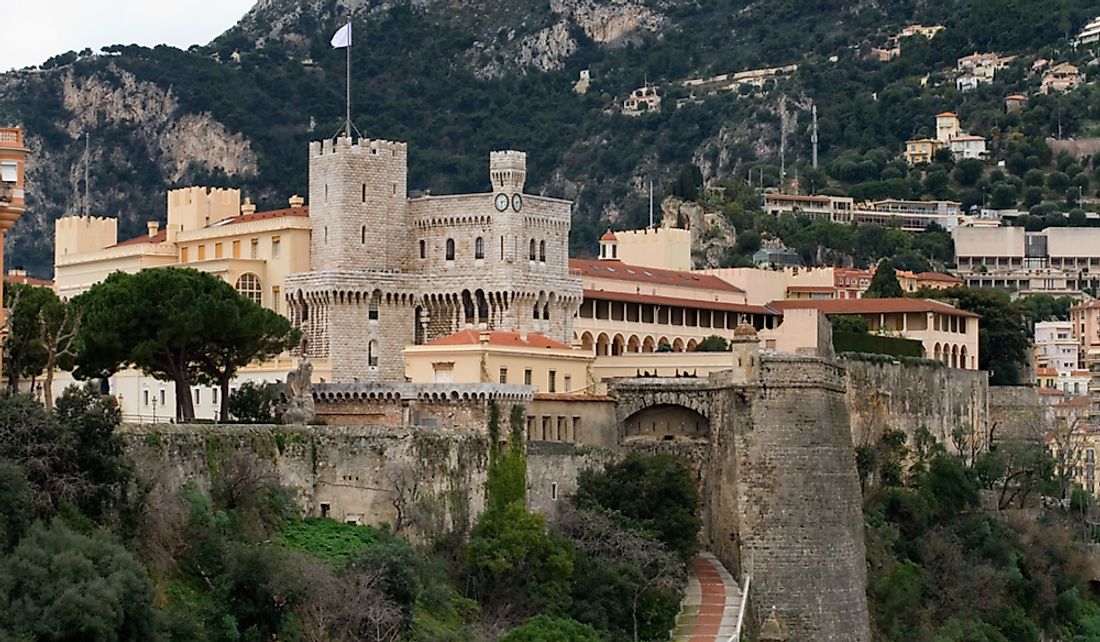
[708, 612]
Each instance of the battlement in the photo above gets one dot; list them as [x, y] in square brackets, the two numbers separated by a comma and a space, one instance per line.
[507, 170]
[195, 207]
[375, 147]
[80, 234]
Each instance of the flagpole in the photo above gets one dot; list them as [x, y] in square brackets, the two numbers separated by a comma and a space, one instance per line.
[347, 121]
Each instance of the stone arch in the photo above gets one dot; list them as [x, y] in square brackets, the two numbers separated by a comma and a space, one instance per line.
[617, 345]
[954, 356]
[677, 345]
[962, 357]
[648, 345]
[633, 344]
[248, 285]
[450, 252]
[603, 345]
[938, 352]
[666, 422]
[587, 343]
[691, 345]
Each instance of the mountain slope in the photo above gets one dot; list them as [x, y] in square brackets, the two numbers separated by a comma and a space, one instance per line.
[457, 79]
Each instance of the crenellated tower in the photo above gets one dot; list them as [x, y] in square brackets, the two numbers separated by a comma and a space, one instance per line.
[357, 196]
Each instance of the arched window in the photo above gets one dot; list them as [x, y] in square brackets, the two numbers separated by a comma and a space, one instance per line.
[372, 354]
[248, 285]
[423, 249]
[479, 248]
[531, 255]
[542, 251]
[450, 249]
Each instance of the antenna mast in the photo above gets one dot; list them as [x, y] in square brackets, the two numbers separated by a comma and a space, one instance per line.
[347, 118]
[87, 162]
[813, 136]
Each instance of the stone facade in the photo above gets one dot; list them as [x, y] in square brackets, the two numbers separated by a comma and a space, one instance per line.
[389, 271]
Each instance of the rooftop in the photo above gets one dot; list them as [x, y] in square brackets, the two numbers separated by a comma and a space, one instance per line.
[617, 270]
[703, 304]
[873, 306]
[499, 338]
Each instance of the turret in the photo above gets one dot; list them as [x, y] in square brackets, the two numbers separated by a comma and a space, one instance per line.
[357, 205]
[507, 171]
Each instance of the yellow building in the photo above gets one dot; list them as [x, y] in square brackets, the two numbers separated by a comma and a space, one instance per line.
[921, 151]
[208, 230]
[493, 356]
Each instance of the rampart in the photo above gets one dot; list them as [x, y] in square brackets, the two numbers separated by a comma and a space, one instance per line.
[423, 482]
[907, 397]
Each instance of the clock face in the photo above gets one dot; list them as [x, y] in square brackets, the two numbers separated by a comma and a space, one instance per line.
[502, 202]
[517, 202]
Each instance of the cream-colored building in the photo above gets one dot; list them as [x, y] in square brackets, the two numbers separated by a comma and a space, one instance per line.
[920, 151]
[1057, 260]
[496, 356]
[207, 229]
[1061, 78]
[667, 248]
[949, 335]
[13, 156]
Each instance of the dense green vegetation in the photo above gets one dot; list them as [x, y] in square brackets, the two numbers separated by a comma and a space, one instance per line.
[941, 569]
[90, 551]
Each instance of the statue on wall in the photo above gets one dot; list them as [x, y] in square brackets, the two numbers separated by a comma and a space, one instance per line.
[299, 409]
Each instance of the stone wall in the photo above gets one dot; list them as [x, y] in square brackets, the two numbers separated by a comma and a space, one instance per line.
[421, 482]
[908, 397]
[1016, 412]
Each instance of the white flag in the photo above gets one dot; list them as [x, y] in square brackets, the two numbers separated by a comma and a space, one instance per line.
[342, 38]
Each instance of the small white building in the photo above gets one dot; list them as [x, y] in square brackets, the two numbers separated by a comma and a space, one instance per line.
[967, 146]
[642, 100]
[1055, 346]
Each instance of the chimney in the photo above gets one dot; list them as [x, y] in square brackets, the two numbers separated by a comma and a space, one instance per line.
[523, 336]
[248, 207]
[483, 337]
[19, 273]
[154, 227]
[297, 201]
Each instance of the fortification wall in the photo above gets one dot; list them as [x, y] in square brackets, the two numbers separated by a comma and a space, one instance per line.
[421, 482]
[801, 520]
[907, 397]
[1016, 412]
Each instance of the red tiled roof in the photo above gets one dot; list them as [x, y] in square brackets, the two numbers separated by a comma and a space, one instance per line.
[27, 280]
[608, 236]
[947, 113]
[1076, 402]
[1045, 371]
[811, 288]
[873, 306]
[258, 216]
[702, 304]
[159, 237]
[1091, 305]
[936, 276]
[499, 338]
[614, 269]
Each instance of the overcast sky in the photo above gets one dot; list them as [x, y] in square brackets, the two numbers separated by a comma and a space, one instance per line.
[34, 30]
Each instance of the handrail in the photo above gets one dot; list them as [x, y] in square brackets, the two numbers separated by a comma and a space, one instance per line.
[736, 637]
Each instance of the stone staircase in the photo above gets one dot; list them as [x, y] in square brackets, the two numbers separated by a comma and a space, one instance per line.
[709, 610]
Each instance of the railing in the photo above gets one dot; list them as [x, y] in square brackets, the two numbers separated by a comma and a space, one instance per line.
[736, 637]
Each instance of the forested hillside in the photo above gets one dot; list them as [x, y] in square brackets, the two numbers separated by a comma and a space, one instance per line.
[459, 79]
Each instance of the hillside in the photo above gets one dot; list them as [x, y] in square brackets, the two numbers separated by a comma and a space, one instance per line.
[459, 79]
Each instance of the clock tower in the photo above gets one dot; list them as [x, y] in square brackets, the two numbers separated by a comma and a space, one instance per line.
[507, 172]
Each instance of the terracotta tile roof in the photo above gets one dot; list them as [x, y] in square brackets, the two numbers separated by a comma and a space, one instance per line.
[499, 338]
[631, 297]
[947, 114]
[1091, 305]
[873, 306]
[1040, 372]
[608, 236]
[27, 280]
[1016, 97]
[1076, 402]
[159, 237]
[614, 269]
[811, 288]
[259, 216]
[936, 276]
[1050, 392]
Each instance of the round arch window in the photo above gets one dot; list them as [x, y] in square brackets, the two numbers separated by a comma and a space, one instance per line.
[249, 286]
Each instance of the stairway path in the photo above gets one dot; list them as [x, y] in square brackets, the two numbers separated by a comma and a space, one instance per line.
[708, 612]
